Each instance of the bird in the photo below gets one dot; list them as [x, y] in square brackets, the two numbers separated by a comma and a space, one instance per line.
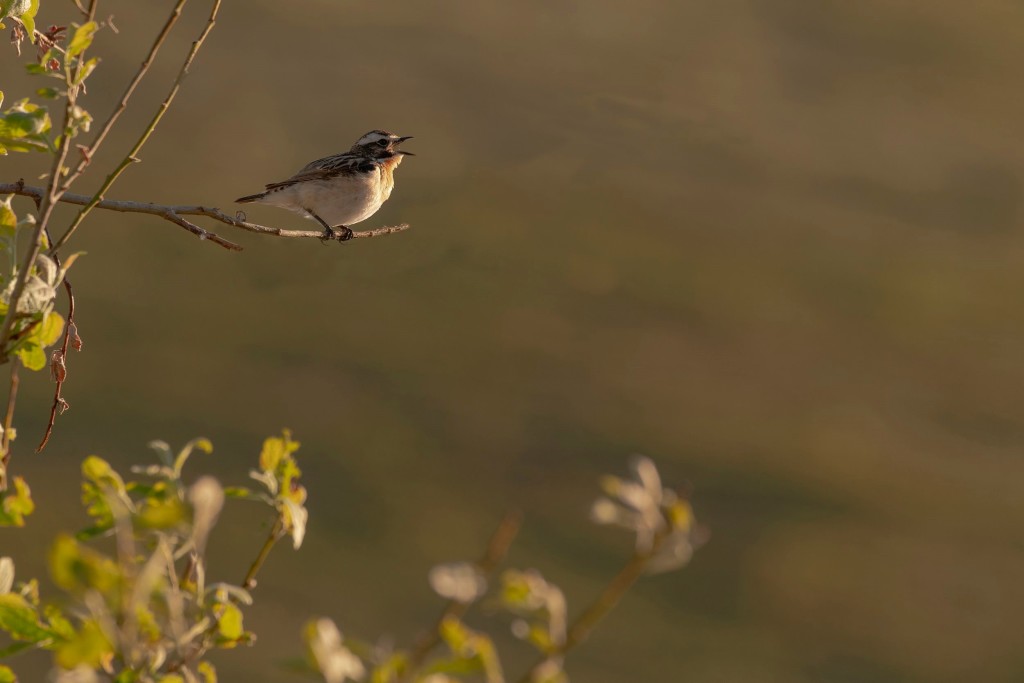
[342, 189]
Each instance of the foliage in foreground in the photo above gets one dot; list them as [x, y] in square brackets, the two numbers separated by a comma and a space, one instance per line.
[137, 605]
[146, 609]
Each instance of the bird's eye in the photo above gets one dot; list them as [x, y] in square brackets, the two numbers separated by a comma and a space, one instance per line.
[383, 142]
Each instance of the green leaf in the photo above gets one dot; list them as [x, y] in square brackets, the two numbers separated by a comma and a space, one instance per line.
[16, 504]
[207, 672]
[48, 93]
[202, 444]
[6, 675]
[20, 620]
[456, 666]
[82, 39]
[391, 670]
[87, 647]
[237, 492]
[165, 513]
[58, 623]
[87, 68]
[78, 569]
[100, 483]
[229, 623]
[277, 449]
[29, 17]
[8, 226]
[13, 649]
[23, 127]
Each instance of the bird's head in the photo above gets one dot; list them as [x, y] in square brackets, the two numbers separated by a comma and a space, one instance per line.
[380, 143]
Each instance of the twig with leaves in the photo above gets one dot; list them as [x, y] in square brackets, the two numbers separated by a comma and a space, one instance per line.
[665, 537]
[457, 578]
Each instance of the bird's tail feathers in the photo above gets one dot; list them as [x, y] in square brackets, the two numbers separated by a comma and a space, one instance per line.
[250, 198]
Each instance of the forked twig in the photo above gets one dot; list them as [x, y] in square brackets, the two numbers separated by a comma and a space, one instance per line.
[90, 151]
[132, 156]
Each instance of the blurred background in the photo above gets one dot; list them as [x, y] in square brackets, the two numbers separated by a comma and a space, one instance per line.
[772, 244]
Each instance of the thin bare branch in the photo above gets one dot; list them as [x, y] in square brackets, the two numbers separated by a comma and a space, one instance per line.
[59, 404]
[276, 534]
[174, 215]
[132, 156]
[88, 152]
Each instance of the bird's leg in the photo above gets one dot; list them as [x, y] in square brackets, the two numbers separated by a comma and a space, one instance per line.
[346, 233]
[329, 233]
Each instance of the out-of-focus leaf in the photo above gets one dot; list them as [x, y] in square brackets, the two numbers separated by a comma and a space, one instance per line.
[8, 223]
[6, 574]
[20, 620]
[16, 503]
[221, 591]
[87, 68]
[82, 39]
[229, 622]
[459, 666]
[6, 675]
[207, 672]
[391, 670]
[163, 451]
[276, 449]
[14, 648]
[89, 646]
[100, 483]
[335, 662]
[295, 522]
[77, 569]
[459, 581]
[207, 498]
[23, 127]
[202, 444]
[165, 513]
[57, 622]
[471, 649]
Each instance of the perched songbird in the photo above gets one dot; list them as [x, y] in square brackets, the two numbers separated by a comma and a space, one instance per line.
[341, 189]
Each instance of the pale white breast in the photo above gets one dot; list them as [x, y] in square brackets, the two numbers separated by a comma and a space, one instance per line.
[342, 200]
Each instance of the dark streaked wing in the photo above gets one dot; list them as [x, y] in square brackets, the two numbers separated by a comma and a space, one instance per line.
[346, 164]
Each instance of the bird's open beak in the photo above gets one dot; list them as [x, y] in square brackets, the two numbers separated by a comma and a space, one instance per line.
[399, 141]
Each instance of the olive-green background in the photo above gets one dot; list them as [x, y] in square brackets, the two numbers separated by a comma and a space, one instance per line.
[773, 244]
